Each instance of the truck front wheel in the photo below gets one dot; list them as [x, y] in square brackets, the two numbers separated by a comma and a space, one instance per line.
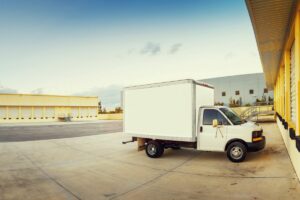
[154, 149]
[236, 152]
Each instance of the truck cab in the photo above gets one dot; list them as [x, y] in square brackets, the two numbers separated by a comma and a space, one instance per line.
[221, 129]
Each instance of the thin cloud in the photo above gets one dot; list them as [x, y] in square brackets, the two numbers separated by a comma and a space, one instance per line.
[6, 90]
[38, 91]
[151, 49]
[175, 48]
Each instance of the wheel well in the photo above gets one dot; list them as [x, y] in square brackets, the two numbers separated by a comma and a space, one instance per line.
[235, 140]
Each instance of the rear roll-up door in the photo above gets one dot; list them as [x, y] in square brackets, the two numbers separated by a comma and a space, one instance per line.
[26, 112]
[13, 112]
[50, 112]
[38, 112]
[75, 112]
[293, 85]
[93, 112]
[2, 112]
[85, 112]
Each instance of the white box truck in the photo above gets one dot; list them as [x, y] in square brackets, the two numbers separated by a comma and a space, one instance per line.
[179, 114]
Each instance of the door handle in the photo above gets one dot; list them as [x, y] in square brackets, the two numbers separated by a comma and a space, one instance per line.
[201, 128]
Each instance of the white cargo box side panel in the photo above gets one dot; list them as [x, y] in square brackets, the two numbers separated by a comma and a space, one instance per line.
[160, 112]
[204, 96]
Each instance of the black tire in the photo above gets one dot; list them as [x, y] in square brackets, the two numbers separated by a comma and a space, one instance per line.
[236, 152]
[154, 149]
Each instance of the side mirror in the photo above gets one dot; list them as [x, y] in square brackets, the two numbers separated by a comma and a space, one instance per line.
[215, 123]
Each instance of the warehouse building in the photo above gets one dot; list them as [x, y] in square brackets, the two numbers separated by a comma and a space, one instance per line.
[276, 26]
[30, 108]
[241, 89]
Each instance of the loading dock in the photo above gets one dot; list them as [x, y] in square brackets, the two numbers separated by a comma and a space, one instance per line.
[28, 108]
[276, 26]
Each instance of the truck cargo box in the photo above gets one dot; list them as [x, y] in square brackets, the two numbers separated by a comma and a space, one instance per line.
[167, 110]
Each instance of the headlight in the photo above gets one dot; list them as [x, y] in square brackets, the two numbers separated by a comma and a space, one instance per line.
[256, 134]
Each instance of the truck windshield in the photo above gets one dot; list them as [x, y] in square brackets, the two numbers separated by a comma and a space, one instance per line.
[232, 116]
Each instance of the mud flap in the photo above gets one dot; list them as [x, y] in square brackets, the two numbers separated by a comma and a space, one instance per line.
[141, 144]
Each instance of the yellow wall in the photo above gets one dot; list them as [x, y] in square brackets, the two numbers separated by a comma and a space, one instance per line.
[282, 94]
[46, 100]
[113, 116]
[282, 85]
[28, 108]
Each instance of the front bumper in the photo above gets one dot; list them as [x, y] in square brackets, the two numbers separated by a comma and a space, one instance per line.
[256, 146]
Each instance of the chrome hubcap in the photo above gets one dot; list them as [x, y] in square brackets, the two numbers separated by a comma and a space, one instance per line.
[236, 152]
[151, 149]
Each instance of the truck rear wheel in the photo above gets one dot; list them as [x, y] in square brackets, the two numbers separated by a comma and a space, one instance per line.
[154, 149]
[236, 152]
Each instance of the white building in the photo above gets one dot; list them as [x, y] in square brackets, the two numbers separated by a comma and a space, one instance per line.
[245, 89]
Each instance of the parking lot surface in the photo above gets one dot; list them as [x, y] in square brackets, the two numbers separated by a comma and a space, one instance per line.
[55, 130]
[100, 167]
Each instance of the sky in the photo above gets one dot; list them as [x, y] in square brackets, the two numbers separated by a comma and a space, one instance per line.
[96, 47]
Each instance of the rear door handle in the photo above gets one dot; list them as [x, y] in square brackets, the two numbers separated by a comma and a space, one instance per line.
[201, 128]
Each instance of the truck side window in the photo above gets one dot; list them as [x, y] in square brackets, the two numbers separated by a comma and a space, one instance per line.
[210, 114]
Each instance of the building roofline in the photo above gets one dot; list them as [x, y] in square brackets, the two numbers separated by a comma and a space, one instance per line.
[271, 51]
[47, 95]
[231, 76]
[168, 83]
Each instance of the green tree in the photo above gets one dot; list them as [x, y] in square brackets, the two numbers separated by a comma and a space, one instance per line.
[118, 110]
[99, 107]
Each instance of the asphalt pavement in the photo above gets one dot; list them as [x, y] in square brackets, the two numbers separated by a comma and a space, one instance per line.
[11, 133]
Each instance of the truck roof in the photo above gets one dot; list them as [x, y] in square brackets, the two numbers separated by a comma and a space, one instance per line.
[213, 107]
[169, 83]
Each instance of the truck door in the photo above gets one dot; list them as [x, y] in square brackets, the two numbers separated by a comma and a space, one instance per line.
[212, 138]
